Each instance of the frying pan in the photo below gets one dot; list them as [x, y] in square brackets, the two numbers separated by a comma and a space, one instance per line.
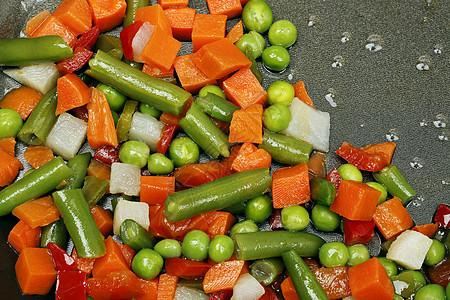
[380, 68]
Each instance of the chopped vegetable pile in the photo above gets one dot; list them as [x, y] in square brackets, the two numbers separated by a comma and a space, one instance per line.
[182, 177]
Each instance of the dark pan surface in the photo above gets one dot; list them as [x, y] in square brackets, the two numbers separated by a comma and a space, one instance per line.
[375, 95]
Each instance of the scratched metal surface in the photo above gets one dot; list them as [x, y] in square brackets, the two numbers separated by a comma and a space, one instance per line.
[372, 96]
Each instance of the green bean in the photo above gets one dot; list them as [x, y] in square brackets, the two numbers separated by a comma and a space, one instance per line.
[55, 232]
[94, 188]
[124, 123]
[217, 107]
[132, 5]
[135, 236]
[78, 165]
[217, 194]
[34, 185]
[111, 45]
[267, 270]
[40, 122]
[88, 240]
[266, 244]
[322, 191]
[394, 182]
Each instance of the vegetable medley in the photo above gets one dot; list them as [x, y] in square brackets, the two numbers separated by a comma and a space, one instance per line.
[147, 219]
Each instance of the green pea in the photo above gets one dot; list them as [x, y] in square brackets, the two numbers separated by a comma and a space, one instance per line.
[243, 227]
[276, 58]
[430, 292]
[381, 188]
[257, 15]
[294, 218]
[183, 150]
[116, 99]
[259, 208]
[280, 92]
[168, 248]
[10, 123]
[135, 153]
[333, 254]
[149, 110]
[447, 290]
[212, 88]
[195, 245]
[254, 41]
[221, 248]
[324, 219]
[159, 164]
[435, 254]
[389, 265]
[282, 33]
[147, 263]
[277, 117]
[115, 116]
[350, 172]
[357, 254]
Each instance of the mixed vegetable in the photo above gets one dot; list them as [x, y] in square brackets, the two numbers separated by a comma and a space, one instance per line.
[175, 194]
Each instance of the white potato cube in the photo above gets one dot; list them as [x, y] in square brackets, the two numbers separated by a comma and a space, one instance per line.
[409, 249]
[125, 179]
[67, 136]
[147, 129]
[188, 293]
[136, 211]
[247, 288]
[41, 77]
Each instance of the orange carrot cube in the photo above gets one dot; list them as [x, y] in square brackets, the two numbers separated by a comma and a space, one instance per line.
[155, 189]
[246, 125]
[250, 157]
[191, 78]
[230, 8]
[334, 281]
[155, 15]
[300, 93]
[157, 72]
[428, 229]
[9, 168]
[8, 145]
[166, 286]
[236, 32]
[38, 212]
[290, 186]
[23, 236]
[207, 29]
[107, 14]
[23, 100]
[75, 14]
[112, 261]
[392, 218]
[173, 3]
[53, 26]
[72, 92]
[103, 218]
[181, 21]
[36, 21]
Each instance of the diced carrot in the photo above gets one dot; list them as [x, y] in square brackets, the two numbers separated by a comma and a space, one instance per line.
[300, 93]
[112, 261]
[166, 287]
[387, 148]
[191, 78]
[100, 129]
[75, 14]
[236, 32]
[23, 100]
[191, 175]
[428, 229]
[155, 189]
[36, 21]
[103, 218]
[8, 145]
[290, 186]
[155, 15]
[246, 125]
[150, 288]
[185, 268]
[53, 26]
[207, 29]
[222, 276]
[173, 3]
[181, 21]
[37, 156]
[99, 170]
[72, 92]
[230, 8]
[157, 72]
[370, 281]
[334, 281]
[288, 290]
[355, 201]
[250, 157]
[35, 272]
[392, 218]
[107, 14]
[244, 89]
[219, 222]
[23, 236]
[127, 252]
[161, 49]
[83, 264]
[9, 168]
[38, 212]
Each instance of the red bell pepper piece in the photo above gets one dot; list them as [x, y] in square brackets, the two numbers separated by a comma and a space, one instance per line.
[221, 295]
[167, 135]
[358, 232]
[361, 159]
[197, 174]
[116, 285]
[61, 260]
[269, 294]
[70, 285]
[334, 177]
[442, 217]
[275, 220]
[107, 154]
[81, 112]
[126, 38]
[69, 65]
[88, 39]
[184, 268]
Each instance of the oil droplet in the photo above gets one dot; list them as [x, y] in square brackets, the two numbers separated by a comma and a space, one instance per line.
[429, 3]
[443, 136]
[438, 48]
[418, 201]
[331, 97]
[374, 43]
[338, 62]
[392, 135]
[423, 123]
[346, 36]
[416, 163]
[440, 121]
[290, 76]
[423, 63]
[446, 181]
[313, 21]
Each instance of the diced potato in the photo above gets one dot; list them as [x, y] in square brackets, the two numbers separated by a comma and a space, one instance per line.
[147, 129]
[67, 136]
[137, 211]
[125, 179]
[187, 293]
[247, 288]
[41, 77]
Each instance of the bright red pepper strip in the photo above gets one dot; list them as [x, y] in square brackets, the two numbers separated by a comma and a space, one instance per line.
[167, 135]
[126, 38]
[185, 268]
[442, 217]
[334, 177]
[361, 159]
[88, 39]
[61, 260]
[358, 232]
[221, 295]
[107, 154]
[80, 57]
[70, 285]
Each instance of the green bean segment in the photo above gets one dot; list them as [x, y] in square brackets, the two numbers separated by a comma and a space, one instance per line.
[135, 236]
[78, 165]
[217, 107]
[94, 188]
[267, 270]
[55, 232]
[394, 182]
[322, 191]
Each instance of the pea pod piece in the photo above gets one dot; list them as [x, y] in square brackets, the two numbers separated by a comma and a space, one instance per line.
[322, 191]
[28, 51]
[34, 185]
[111, 45]
[303, 279]
[394, 182]
[55, 232]
[94, 188]
[132, 5]
[137, 85]
[217, 107]
[78, 165]
[40, 122]
[135, 236]
[267, 244]
[124, 123]
[88, 240]
[217, 194]
[267, 270]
